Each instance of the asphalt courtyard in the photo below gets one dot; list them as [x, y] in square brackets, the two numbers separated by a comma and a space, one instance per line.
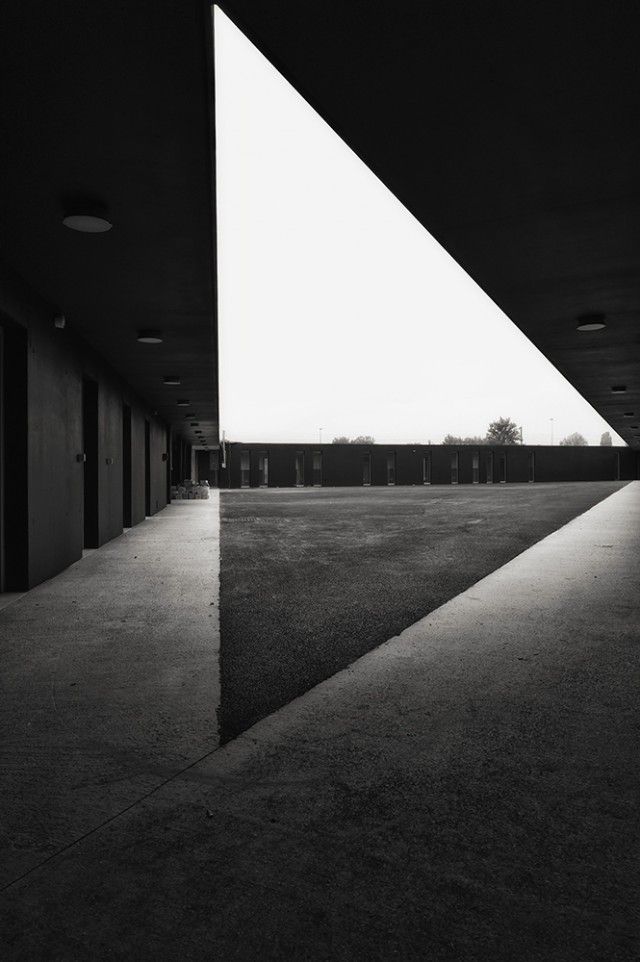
[311, 579]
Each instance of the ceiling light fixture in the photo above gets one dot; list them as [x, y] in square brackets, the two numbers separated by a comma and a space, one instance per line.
[171, 379]
[628, 414]
[183, 403]
[618, 388]
[590, 322]
[150, 337]
[87, 223]
[195, 424]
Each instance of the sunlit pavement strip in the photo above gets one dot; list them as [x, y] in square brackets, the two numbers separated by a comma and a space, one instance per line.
[467, 790]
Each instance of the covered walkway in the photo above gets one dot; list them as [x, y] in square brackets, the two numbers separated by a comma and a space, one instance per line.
[466, 791]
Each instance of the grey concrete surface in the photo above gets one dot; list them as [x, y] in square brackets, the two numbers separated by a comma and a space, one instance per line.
[311, 579]
[9, 597]
[467, 791]
[109, 681]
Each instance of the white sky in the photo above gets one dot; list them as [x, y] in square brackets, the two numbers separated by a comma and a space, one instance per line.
[337, 309]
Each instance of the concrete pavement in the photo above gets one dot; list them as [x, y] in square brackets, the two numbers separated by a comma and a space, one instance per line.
[467, 791]
[109, 681]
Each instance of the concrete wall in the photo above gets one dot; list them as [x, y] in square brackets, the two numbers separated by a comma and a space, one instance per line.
[160, 445]
[55, 478]
[137, 465]
[342, 464]
[53, 481]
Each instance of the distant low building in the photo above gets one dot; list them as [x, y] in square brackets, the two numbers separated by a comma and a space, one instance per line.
[361, 465]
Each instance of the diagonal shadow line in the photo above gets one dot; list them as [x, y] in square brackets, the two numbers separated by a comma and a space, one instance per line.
[112, 818]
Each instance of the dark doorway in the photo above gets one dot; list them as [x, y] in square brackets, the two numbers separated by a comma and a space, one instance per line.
[126, 466]
[317, 469]
[263, 470]
[214, 465]
[147, 469]
[202, 466]
[90, 444]
[245, 469]
[454, 467]
[391, 469]
[14, 526]
[490, 467]
[366, 470]
[167, 459]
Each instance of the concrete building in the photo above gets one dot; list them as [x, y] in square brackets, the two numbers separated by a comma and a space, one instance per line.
[466, 791]
[338, 465]
[106, 332]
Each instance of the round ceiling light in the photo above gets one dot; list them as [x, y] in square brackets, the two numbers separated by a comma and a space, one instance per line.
[171, 379]
[150, 337]
[590, 322]
[87, 223]
[590, 327]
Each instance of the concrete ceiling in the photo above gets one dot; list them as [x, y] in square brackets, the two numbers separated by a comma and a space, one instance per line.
[111, 102]
[510, 130]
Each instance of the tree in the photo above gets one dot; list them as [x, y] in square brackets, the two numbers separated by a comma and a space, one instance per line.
[605, 439]
[454, 439]
[503, 431]
[343, 439]
[363, 439]
[575, 440]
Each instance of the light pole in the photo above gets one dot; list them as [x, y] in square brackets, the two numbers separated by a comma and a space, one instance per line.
[551, 419]
[320, 434]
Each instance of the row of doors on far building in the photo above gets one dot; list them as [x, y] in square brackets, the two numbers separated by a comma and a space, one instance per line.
[316, 469]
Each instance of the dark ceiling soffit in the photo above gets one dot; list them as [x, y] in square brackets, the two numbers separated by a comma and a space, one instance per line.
[272, 56]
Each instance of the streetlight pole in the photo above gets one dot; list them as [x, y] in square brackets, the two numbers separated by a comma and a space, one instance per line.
[551, 419]
[320, 433]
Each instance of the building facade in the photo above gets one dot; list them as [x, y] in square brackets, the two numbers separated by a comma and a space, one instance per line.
[83, 455]
[325, 465]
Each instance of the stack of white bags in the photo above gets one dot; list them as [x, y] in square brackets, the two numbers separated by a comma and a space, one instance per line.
[190, 490]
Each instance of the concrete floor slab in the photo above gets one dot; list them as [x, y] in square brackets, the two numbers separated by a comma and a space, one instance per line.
[467, 791]
[122, 683]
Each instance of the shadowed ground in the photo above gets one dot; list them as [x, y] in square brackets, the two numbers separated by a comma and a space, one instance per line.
[311, 579]
[466, 792]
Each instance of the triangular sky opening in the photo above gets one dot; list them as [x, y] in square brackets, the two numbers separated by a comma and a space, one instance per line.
[339, 314]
